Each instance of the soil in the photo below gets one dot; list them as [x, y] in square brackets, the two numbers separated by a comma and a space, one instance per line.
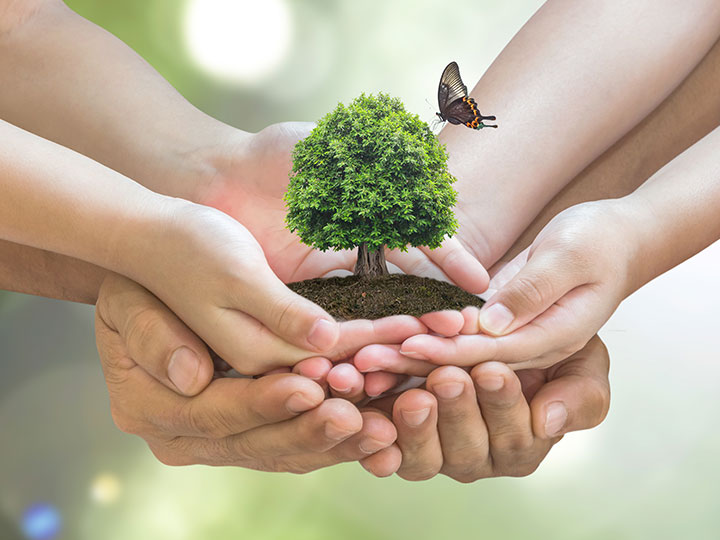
[355, 297]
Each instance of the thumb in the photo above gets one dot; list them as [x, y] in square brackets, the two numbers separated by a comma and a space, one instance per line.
[543, 280]
[155, 338]
[577, 395]
[290, 316]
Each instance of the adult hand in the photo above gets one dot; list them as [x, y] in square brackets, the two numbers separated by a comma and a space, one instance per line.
[210, 271]
[496, 422]
[251, 180]
[253, 175]
[276, 423]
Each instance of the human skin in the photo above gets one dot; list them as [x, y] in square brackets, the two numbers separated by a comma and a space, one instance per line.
[682, 119]
[91, 115]
[687, 115]
[527, 83]
[254, 423]
[574, 80]
[494, 421]
[229, 295]
[557, 294]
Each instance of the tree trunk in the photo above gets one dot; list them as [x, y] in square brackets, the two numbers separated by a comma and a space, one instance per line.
[370, 263]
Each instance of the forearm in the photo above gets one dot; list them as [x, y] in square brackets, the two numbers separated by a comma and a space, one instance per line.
[43, 273]
[690, 113]
[576, 78]
[58, 200]
[675, 213]
[72, 82]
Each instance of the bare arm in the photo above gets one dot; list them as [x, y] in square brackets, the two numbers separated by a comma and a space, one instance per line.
[575, 79]
[691, 112]
[44, 273]
[70, 81]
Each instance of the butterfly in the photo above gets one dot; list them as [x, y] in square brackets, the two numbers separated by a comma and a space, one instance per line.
[455, 105]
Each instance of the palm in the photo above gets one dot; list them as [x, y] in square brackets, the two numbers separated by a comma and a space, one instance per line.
[252, 187]
[252, 192]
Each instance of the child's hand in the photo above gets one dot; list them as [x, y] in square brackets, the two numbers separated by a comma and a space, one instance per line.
[277, 423]
[250, 185]
[568, 284]
[212, 273]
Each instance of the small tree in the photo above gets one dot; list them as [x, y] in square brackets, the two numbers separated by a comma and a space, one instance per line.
[371, 175]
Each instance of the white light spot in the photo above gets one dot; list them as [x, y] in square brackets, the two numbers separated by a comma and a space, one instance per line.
[105, 489]
[238, 40]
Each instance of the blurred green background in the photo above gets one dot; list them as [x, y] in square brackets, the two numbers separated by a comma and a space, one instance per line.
[650, 471]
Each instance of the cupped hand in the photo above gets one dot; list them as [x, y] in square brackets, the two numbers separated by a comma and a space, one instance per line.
[550, 300]
[250, 186]
[276, 423]
[250, 183]
[493, 421]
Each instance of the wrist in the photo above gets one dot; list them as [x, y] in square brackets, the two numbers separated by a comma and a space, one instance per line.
[202, 169]
[138, 242]
[639, 240]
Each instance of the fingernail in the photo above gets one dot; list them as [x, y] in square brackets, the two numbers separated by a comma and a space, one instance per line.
[335, 433]
[413, 355]
[448, 390]
[299, 402]
[323, 334]
[341, 391]
[370, 445]
[555, 417]
[495, 319]
[415, 418]
[183, 369]
[492, 383]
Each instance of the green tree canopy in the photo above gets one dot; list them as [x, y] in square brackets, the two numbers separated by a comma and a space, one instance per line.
[371, 175]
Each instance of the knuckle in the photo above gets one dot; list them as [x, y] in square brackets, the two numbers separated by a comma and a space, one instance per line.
[511, 442]
[125, 422]
[418, 473]
[465, 475]
[171, 459]
[143, 328]
[576, 254]
[290, 465]
[286, 313]
[521, 470]
[532, 292]
[245, 448]
[213, 425]
[598, 398]
[461, 462]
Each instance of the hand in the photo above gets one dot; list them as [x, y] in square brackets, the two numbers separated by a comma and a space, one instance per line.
[551, 299]
[250, 185]
[211, 272]
[276, 423]
[347, 381]
[496, 422]
[252, 176]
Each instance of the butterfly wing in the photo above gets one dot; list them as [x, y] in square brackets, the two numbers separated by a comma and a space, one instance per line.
[451, 87]
[459, 112]
[455, 105]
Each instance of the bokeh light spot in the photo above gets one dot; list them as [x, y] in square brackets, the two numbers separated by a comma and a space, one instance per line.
[238, 40]
[105, 489]
[41, 521]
